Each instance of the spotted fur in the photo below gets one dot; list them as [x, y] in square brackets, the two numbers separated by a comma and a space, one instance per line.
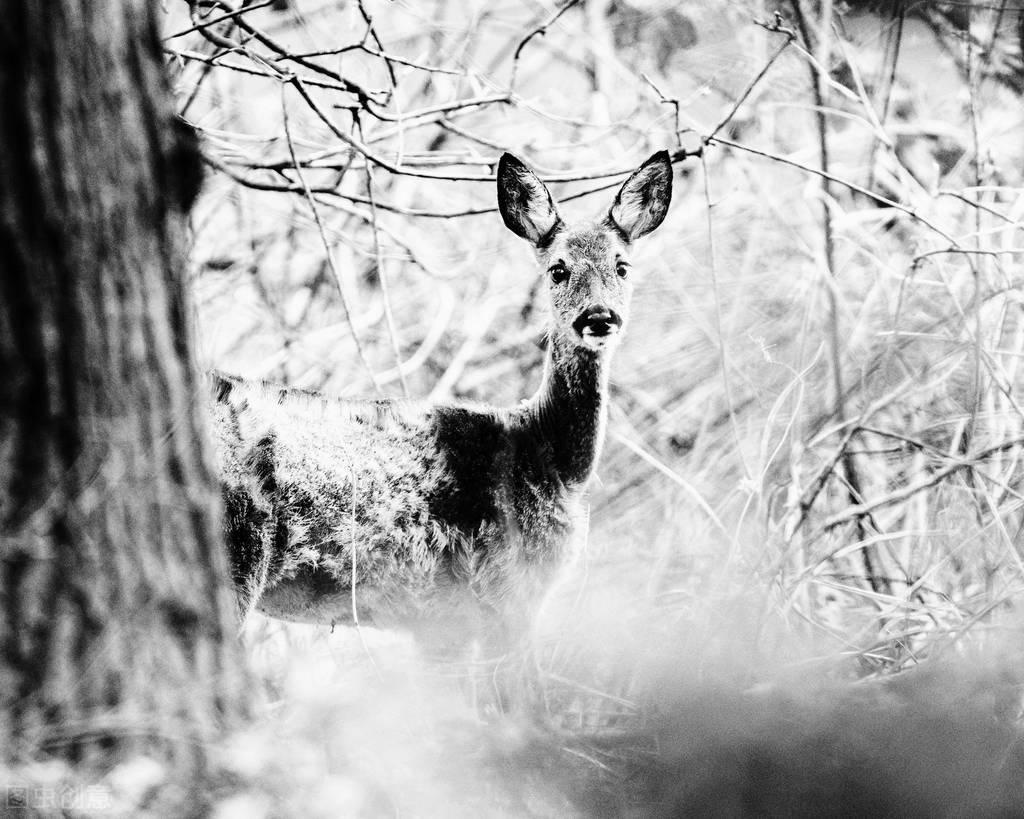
[447, 519]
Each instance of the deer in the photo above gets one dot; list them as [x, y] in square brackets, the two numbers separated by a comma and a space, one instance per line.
[449, 520]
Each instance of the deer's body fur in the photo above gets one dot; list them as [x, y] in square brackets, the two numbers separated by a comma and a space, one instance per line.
[427, 516]
[448, 511]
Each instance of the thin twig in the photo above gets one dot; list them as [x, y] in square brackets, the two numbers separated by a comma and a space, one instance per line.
[966, 251]
[373, 52]
[790, 36]
[229, 16]
[908, 491]
[851, 474]
[357, 144]
[853, 186]
[960, 195]
[389, 318]
[290, 187]
[273, 72]
[673, 476]
[540, 31]
[712, 265]
[673, 101]
[214, 37]
[976, 369]
[327, 246]
[372, 32]
[366, 98]
[896, 42]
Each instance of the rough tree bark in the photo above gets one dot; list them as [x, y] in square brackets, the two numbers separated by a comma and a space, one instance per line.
[116, 625]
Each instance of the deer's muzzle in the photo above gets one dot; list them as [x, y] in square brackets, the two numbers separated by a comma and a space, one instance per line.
[597, 324]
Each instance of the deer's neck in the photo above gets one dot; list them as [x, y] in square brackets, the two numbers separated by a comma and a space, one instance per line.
[570, 410]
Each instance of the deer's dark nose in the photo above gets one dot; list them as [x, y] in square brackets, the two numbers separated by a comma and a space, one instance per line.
[598, 320]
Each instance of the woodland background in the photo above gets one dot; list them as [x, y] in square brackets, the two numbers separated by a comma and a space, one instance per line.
[805, 561]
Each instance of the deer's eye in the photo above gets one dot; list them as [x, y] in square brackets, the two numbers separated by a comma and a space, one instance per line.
[622, 268]
[558, 272]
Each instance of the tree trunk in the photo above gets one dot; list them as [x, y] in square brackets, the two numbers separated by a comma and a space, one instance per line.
[116, 624]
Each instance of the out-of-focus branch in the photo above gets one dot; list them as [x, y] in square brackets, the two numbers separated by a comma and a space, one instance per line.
[968, 462]
[371, 33]
[746, 92]
[666, 100]
[389, 318]
[539, 31]
[850, 472]
[366, 98]
[199, 24]
[328, 255]
[853, 186]
[217, 61]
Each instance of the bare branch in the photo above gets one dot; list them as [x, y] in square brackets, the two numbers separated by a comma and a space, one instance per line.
[540, 30]
[329, 255]
[904, 493]
[389, 318]
[790, 37]
[853, 186]
[229, 16]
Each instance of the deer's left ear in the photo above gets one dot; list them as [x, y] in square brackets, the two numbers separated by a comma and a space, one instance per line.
[642, 201]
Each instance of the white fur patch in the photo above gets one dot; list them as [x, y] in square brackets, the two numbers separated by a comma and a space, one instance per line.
[599, 342]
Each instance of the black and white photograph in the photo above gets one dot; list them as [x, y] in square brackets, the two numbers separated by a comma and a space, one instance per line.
[511, 409]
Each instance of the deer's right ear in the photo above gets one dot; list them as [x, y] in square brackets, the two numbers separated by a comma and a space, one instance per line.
[525, 203]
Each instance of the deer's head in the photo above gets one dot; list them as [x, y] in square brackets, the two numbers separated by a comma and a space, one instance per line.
[587, 263]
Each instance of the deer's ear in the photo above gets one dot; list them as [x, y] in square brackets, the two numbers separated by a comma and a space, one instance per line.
[642, 201]
[525, 203]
